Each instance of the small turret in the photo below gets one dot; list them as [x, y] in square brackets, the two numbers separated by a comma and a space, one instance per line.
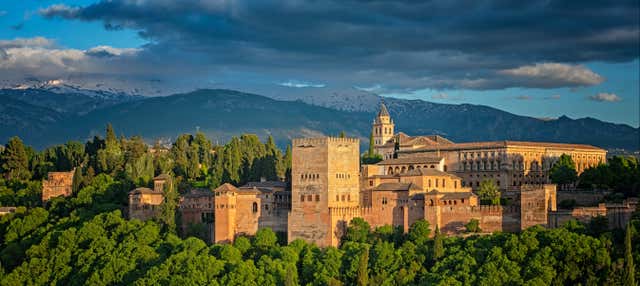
[383, 127]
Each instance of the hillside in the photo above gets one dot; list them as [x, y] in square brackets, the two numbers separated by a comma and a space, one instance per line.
[223, 113]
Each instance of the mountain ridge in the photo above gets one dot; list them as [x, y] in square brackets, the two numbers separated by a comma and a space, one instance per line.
[222, 113]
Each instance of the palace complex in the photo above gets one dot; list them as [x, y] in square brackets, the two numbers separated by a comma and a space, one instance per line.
[421, 178]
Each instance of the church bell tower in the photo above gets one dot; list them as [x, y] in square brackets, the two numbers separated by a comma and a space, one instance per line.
[382, 127]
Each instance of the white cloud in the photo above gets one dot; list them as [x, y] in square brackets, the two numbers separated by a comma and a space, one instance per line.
[605, 97]
[60, 9]
[300, 84]
[39, 42]
[551, 75]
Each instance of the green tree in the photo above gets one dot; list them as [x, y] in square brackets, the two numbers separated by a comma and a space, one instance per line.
[419, 232]
[342, 134]
[473, 225]
[371, 157]
[363, 268]
[168, 207]
[14, 160]
[563, 171]
[358, 230]
[629, 268]
[438, 245]
[489, 192]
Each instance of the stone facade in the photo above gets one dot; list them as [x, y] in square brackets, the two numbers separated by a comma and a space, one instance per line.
[325, 188]
[144, 203]
[618, 215]
[510, 164]
[424, 177]
[57, 184]
[244, 210]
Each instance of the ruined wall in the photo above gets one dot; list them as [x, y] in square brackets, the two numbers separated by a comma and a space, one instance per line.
[57, 184]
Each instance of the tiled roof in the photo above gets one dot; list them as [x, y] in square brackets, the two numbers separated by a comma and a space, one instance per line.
[226, 187]
[162, 176]
[143, 190]
[396, 187]
[383, 110]
[198, 193]
[428, 172]
[411, 160]
[452, 195]
[503, 144]
[265, 184]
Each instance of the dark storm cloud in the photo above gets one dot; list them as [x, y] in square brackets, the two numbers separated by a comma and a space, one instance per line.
[400, 44]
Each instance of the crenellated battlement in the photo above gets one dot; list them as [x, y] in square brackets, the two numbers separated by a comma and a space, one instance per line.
[345, 211]
[309, 142]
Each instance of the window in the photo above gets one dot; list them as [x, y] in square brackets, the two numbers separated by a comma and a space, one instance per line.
[370, 183]
[309, 198]
[254, 207]
[317, 198]
[337, 198]
[302, 198]
[384, 200]
[349, 198]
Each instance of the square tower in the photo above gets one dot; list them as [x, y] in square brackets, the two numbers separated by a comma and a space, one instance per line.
[383, 127]
[324, 175]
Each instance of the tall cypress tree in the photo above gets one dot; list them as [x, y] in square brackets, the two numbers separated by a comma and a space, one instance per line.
[629, 268]
[438, 247]
[14, 160]
[363, 268]
[371, 150]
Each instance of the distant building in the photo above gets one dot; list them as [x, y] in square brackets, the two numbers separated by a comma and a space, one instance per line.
[7, 210]
[144, 203]
[511, 164]
[420, 178]
[57, 184]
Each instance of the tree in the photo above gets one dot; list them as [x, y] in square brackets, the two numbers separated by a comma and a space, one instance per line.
[14, 160]
[363, 268]
[419, 232]
[168, 207]
[342, 134]
[629, 268]
[489, 192]
[563, 171]
[358, 230]
[438, 245]
[371, 157]
[473, 225]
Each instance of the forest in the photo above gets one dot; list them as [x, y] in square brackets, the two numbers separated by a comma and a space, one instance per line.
[85, 239]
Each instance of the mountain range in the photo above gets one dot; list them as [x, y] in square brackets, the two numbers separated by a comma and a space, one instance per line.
[46, 116]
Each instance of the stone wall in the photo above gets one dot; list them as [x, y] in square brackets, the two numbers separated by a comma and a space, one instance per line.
[582, 198]
[57, 184]
[324, 175]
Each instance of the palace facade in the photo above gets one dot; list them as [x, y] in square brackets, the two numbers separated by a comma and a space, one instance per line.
[421, 178]
[510, 164]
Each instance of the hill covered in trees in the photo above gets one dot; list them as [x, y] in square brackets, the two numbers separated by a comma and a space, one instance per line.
[85, 240]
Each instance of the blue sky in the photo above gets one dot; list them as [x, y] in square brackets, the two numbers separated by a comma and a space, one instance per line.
[529, 59]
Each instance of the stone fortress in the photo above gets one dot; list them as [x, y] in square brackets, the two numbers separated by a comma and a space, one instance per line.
[422, 177]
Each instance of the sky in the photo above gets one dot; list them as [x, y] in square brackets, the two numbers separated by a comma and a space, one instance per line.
[537, 58]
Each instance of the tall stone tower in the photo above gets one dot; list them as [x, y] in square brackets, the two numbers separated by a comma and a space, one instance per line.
[224, 213]
[382, 127]
[324, 179]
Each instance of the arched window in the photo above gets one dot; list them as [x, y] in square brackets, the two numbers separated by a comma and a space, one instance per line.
[384, 200]
[390, 171]
[254, 207]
